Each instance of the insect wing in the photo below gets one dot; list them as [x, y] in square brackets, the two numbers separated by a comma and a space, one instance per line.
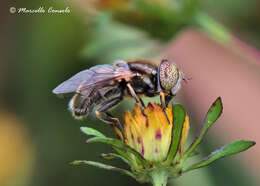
[72, 84]
[103, 75]
[103, 69]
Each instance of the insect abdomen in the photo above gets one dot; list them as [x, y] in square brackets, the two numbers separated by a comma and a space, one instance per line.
[81, 105]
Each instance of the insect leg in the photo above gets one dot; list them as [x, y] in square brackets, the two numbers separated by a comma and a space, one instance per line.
[102, 114]
[163, 104]
[162, 99]
[137, 99]
[142, 102]
[168, 98]
[133, 94]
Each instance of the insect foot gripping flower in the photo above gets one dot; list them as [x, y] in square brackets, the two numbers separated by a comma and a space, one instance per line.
[154, 148]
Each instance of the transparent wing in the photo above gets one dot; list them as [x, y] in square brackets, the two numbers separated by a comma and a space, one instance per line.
[105, 75]
[95, 76]
[101, 74]
[72, 84]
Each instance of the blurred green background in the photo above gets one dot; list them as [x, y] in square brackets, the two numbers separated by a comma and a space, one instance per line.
[38, 136]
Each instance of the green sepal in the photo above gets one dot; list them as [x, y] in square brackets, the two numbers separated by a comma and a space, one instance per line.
[110, 156]
[124, 155]
[213, 114]
[178, 121]
[102, 166]
[120, 144]
[91, 131]
[227, 150]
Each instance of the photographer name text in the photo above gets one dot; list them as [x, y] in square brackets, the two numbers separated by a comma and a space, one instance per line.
[40, 10]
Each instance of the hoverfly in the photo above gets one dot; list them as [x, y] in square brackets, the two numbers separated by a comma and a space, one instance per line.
[106, 86]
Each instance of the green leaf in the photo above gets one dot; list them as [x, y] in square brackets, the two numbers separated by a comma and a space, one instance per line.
[213, 114]
[91, 131]
[120, 144]
[227, 150]
[102, 166]
[178, 121]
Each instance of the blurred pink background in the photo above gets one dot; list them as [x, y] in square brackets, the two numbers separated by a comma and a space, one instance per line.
[221, 71]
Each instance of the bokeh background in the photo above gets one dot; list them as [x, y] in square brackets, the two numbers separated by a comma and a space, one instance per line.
[216, 43]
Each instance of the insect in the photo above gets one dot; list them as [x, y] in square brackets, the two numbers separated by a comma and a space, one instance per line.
[107, 85]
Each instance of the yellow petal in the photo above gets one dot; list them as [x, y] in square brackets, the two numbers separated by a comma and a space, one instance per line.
[150, 135]
[184, 134]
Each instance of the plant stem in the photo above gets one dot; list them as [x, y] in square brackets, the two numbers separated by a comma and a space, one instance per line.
[159, 178]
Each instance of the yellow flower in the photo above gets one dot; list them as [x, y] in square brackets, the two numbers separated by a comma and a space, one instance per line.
[153, 145]
[151, 134]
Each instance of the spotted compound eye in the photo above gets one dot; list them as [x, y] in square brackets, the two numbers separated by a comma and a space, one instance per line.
[169, 75]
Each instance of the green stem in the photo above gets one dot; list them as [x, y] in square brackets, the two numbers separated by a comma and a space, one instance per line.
[159, 178]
